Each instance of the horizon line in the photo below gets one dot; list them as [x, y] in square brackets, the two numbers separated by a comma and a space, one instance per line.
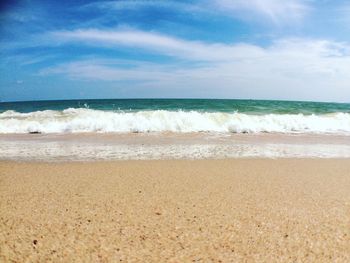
[174, 98]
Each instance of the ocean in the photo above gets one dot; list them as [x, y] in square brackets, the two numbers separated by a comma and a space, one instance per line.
[134, 129]
[174, 115]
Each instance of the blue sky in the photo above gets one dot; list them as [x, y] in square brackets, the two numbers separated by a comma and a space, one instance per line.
[257, 49]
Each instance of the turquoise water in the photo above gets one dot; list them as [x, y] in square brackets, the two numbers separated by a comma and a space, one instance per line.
[215, 123]
[256, 107]
[174, 115]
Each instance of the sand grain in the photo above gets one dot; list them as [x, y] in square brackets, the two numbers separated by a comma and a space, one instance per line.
[176, 211]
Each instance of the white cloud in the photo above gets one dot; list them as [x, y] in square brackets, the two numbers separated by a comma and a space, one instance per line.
[199, 50]
[110, 70]
[301, 69]
[170, 46]
[277, 11]
[139, 4]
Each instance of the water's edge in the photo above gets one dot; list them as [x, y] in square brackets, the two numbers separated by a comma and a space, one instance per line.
[98, 147]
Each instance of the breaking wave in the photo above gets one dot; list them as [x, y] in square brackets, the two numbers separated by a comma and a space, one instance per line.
[74, 120]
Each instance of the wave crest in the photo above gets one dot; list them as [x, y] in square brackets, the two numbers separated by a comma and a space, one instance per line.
[74, 120]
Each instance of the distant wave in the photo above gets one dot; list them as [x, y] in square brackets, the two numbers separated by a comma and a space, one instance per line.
[74, 120]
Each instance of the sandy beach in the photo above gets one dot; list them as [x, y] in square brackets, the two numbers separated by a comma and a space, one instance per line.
[232, 210]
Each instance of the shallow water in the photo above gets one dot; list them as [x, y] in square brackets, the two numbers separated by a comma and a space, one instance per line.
[91, 146]
[81, 130]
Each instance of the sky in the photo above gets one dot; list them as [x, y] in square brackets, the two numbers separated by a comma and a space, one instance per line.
[234, 49]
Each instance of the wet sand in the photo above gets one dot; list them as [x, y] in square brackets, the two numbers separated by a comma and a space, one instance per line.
[233, 210]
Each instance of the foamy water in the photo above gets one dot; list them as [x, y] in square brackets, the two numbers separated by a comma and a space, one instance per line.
[86, 147]
[82, 120]
[172, 129]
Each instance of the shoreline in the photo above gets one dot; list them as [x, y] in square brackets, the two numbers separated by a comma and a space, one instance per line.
[156, 146]
[176, 210]
[122, 161]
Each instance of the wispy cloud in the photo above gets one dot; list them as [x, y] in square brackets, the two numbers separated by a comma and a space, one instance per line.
[111, 70]
[159, 43]
[139, 4]
[28, 59]
[76, 40]
[301, 66]
[277, 11]
[198, 50]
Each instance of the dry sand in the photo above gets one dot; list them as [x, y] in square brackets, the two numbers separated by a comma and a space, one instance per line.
[176, 211]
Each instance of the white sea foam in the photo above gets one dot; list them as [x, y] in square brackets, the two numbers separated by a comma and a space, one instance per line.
[62, 147]
[87, 120]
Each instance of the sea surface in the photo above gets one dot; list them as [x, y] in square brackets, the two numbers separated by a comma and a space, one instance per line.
[174, 115]
[128, 129]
